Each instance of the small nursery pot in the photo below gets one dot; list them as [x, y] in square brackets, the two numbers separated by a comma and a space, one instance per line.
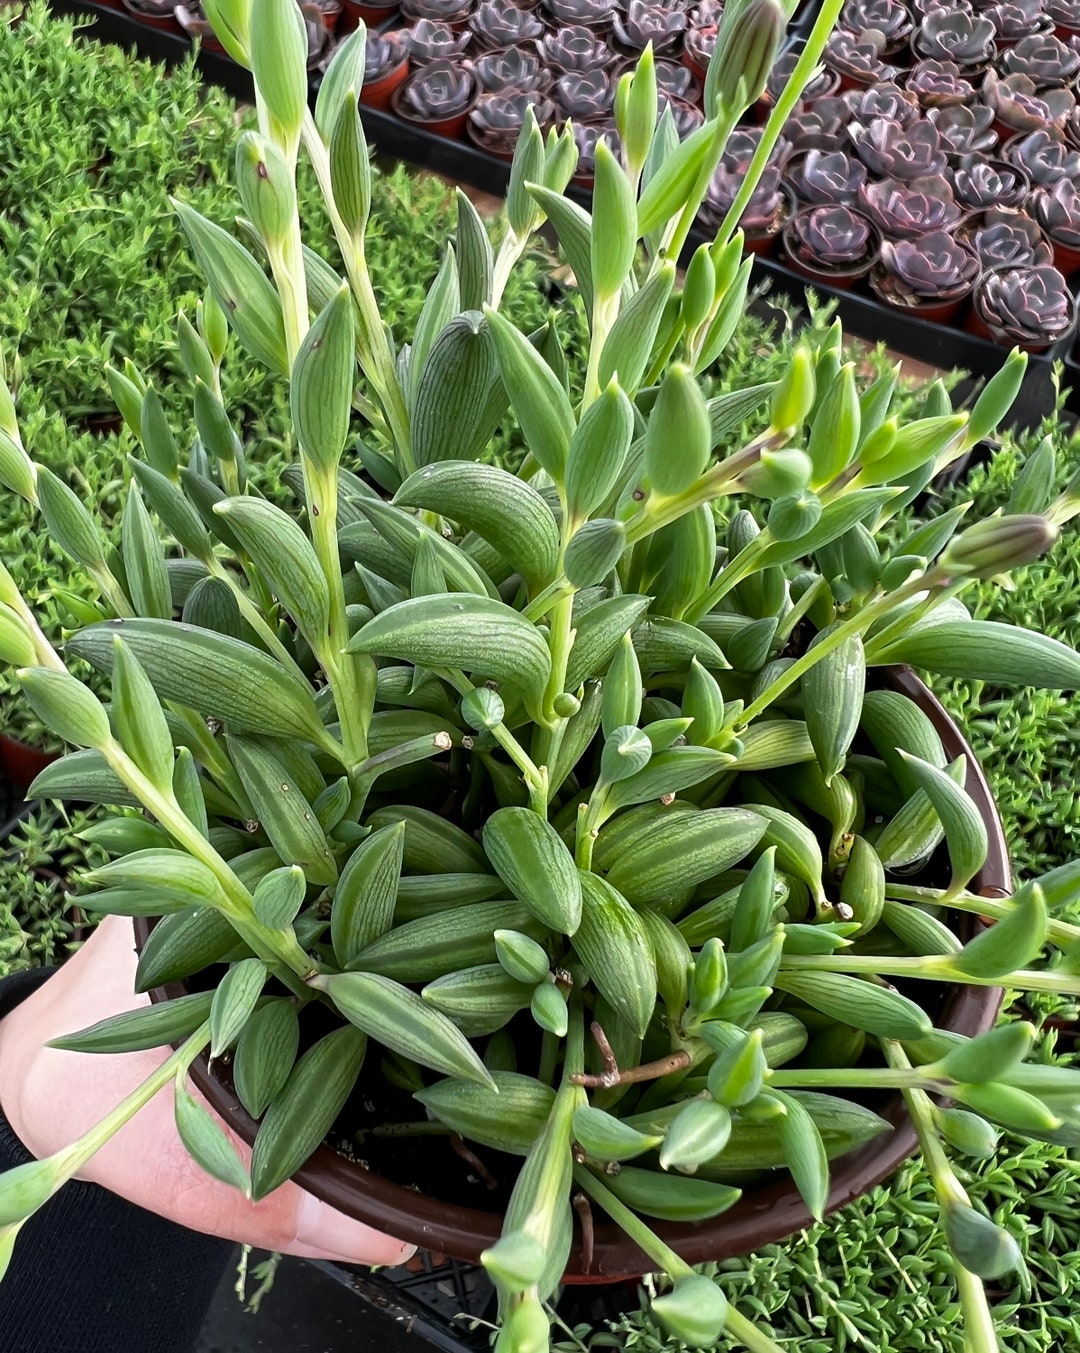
[841, 278]
[980, 323]
[451, 126]
[763, 1216]
[167, 22]
[352, 14]
[379, 93]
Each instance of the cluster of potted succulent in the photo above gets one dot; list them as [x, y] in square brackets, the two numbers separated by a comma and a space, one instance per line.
[321, 20]
[935, 162]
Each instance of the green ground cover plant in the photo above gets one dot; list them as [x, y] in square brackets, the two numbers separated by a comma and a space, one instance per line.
[842, 1314]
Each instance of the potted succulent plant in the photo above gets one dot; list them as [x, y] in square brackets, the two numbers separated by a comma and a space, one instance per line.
[891, 150]
[496, 119]
[834, 244]
[769, 207]
[1056, 207]
[891, 18]
[320, 40]
[575, 47]
[192, 19]
[594, 14]
[819, 125]
[1047, 61]
[826, 178]
[940, 84]
[964, 130]
[437, 97]
[687, 118]
[980, 183]
[1019, 106]
[431, 40]
[649, 795]
[454, 12]
[906, 210]
[1042, 156]
[1006, 238]
[499, 24]
[354, 13]
[155, 13]
[677, 80]
[699, 43]
[1016, 19]
[587, 136]
[882, 100]
[1030, 306]
[518, 68]
[1065, 16]
[585, 94]
[930, 276]
[386, 65]
[646, 23]
[858, 59]
[966, 39]
[1071, 128]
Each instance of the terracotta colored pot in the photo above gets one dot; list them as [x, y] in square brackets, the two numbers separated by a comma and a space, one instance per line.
[937, 312]
[762, 1216]
[20, 764]
[842, 279]
[166, 22]
[372, 16]
[977, 325]
[453, 128]
[379, 92]
[1066, 257]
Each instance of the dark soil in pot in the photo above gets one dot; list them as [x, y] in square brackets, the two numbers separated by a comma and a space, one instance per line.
[462, 1214]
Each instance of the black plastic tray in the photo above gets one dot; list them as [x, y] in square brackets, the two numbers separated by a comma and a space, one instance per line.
[939, 345]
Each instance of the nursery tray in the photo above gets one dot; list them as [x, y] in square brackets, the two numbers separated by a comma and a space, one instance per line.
[941, 346]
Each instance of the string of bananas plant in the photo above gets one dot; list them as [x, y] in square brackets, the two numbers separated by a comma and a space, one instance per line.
[565, 788]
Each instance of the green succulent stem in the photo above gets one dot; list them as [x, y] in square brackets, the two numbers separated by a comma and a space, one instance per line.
[253, 615]
[937, 968]
[858, 1078]
[536, 777]
[113, 593]
[980, 1335]
[1061, 933]
[605, 313]
[675, 238]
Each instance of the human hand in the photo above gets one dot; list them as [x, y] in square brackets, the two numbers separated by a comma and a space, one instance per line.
[51, 1097]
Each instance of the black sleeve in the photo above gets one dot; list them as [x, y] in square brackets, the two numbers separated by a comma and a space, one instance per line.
[95, 1274]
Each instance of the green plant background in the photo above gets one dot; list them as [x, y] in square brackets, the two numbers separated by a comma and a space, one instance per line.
[93, 269]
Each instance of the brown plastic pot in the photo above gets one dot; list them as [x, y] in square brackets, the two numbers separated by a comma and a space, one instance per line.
[21, 764]
[843, 279]
[762, 1216]
[378, 93]
[453, 127]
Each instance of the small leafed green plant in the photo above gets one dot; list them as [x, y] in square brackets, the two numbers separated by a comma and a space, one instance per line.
[567, 789]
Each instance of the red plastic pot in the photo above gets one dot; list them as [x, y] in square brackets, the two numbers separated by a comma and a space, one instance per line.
[1066, 257]
[762, 1216]
[936, 312]
[453, 128]
[842, 279]
[372, 16]
[21, 764]
[379, 92]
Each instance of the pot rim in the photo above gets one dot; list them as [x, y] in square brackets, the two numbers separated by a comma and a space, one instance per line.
[761, 1217]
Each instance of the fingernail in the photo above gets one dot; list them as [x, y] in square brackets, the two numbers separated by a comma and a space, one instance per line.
[324, 1227]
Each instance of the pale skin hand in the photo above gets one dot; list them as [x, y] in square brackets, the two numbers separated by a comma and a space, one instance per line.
[51, 1097]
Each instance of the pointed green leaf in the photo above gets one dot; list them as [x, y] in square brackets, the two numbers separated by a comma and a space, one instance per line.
[530, 857]
[279, 896]
[287, 558]
[135, 1030]
[139, 719]
[323, 378]
[206, 1142]
[265, 1054]
[234, 1000]
[965, 831]
[1008, 945]
[283, 812]
[366, 893]
[536, 394]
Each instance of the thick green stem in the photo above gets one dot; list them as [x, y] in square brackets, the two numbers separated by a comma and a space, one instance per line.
[536, 779]
[856, 1078]
[1061, 933]
[673, 243]
[933, 969]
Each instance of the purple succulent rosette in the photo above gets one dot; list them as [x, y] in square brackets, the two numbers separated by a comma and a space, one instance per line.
[858, 56]
[645, 23]
[1018, 103]
[585, 94]
[980, 183]
[383, 53]
[1005, 239]
[925, 7]
[1071, 127]
[833, 238]
[497, 118]
[446, 11]
[890, 150]
[890, 18]
[686, 116]
[1044, 158]
[1057, 210]
[764, 212]
[783, 68]
[499, 23]
[589, 13]
[885, 100]
[940, 84]
[676, 80]
[574, 48]
[964, 130]
[586, 137]
[1047, 61]
[904, 211]
[945, 35]
[1064, 13]
[700, 43]
[1016, 19]
[707, 13]
[432, 40]
[827, 178]
[821, 125]
[934, 268]
[742, 146]
[517, 68]
[437, 91]
[1026, 304]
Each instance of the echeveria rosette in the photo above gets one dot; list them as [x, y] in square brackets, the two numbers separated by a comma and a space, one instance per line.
[858, 56]
[925, 7]
[933, 268]
[432, 40]
[499, 24]
[890, 18]
[1065, 14]
[963, 129]
[980, 183]
[383, 53]
[706, 12]
[574, 48]
[587, 13]
[765, 210]
[939, 84]
[1019, 104]
[832, 238]
[437, 91]
[585, 94]
[892, 151]
[827, 178]
[820, 125]
[447, 11]
[699, 44]
[906, 210]
[1057, 210]
[884, 100]
[823, 83]
[1003, 238]
[1048, 62]
[644, 23]
[1016, 19]
[1032, 306]
[496, 119]
[686, 116]
[1044, 157]
[1071, 128]
[518, 68]
[967, 39]
[586, 136]
[742, 146]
